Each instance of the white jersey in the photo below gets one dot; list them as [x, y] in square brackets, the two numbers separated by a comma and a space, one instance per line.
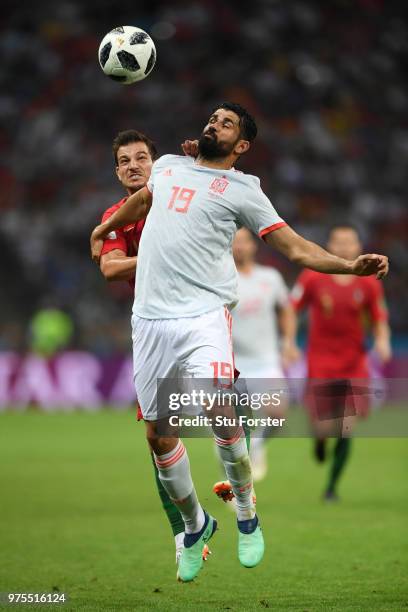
[185, 265]
[255, 325]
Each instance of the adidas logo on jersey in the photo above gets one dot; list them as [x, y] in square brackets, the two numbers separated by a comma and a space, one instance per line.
[167, 172]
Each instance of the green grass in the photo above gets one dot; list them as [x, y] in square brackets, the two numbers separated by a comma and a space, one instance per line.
[79, 512]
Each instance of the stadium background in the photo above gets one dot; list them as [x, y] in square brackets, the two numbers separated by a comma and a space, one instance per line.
[327, 82]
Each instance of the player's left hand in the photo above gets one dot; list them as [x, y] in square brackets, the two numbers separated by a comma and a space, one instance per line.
[190, 148]
[289, 354]
[96, 244]
[383, 350]
[365, 265]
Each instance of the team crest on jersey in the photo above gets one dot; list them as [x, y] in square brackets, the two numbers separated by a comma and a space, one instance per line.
[219, 185]
[167, 172]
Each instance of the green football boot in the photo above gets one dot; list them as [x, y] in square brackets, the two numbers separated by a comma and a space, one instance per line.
[191, 560]
[250, 542]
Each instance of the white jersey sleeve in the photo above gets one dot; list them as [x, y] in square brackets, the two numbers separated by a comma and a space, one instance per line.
[258, 213]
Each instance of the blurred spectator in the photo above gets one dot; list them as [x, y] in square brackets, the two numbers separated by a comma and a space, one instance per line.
[50, 331]
[326, 81]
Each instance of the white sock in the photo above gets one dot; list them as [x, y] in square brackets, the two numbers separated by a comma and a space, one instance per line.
[175, 476]
[256, 442]
[234, 455]
[179, 540]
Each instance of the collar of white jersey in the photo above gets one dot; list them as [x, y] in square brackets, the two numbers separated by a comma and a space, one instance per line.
[217, 169]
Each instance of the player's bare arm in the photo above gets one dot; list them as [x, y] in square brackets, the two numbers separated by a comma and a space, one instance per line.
[134, 209]
[310, 255]
[288, 329]
[117, 266]
[382, 340]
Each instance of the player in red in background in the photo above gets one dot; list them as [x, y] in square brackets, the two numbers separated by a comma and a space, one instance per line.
[339, 307]
[134, 155]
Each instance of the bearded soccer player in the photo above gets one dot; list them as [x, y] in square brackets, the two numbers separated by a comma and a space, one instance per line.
[134, 155]
[338, 307]
[186, 284]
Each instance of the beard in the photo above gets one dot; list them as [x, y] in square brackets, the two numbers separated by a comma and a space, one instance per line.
[210, 148]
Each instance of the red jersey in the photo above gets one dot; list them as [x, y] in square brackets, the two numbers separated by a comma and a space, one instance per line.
[337, 321]
[125, 239]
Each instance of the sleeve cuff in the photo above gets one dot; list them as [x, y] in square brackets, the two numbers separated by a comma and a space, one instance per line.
[113, 245]
[271, 228]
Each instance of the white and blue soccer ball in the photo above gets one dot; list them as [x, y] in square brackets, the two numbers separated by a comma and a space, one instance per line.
[127, 54]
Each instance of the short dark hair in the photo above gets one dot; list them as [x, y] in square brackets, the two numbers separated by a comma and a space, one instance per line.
[127, 137]
[246, 121]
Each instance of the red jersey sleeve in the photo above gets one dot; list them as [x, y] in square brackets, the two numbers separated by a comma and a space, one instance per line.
[300, 294]
[115, 240]
[376, 301]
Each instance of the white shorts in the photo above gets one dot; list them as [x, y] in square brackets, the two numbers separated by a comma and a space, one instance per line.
[199, 347]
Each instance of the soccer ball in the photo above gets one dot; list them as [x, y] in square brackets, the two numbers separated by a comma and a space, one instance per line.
[127, 54]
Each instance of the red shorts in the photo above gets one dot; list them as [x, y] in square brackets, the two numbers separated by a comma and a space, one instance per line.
[328, 399]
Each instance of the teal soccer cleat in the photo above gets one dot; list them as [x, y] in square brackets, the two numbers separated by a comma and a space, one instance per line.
[250, 542]
[191, 560]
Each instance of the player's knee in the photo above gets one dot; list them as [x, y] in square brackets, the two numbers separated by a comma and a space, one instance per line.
[160, 444]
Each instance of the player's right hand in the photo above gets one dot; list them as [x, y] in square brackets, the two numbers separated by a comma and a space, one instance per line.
[96, 243]
[365, 265]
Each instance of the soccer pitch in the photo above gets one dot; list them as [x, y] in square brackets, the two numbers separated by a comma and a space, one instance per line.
[80, 514]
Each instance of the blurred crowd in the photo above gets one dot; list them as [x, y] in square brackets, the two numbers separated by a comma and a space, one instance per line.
[326, 81]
